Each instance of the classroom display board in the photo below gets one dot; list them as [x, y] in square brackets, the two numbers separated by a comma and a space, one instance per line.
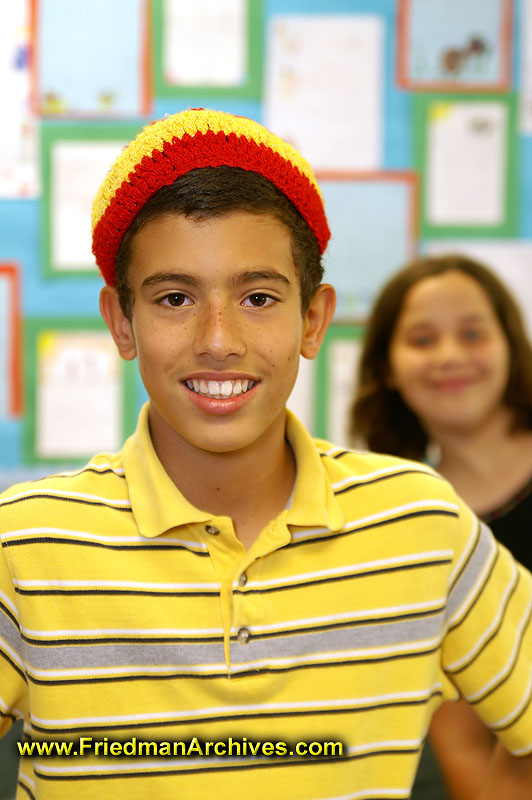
[415, 114]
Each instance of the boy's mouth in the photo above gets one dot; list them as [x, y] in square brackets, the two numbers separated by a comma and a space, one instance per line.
[220, 390]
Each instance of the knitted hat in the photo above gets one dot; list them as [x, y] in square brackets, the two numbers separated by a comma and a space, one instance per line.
[195, 138]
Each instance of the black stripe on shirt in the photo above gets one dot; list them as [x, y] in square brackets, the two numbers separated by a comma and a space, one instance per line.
[378, 524]
[63, 499]
[38, 539]
[361, 484]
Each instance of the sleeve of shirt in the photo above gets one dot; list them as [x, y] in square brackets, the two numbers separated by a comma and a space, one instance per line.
[13, 682]
[487, 648]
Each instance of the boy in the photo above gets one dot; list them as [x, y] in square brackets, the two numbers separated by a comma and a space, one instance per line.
[226, 607]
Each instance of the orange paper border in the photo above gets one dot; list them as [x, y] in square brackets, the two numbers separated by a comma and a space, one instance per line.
[15, 326]
[409, 178]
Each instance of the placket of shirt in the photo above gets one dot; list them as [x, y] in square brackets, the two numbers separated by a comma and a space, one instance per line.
[243, 610]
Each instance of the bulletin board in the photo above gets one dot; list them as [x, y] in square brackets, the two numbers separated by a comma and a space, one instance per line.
[415, 114]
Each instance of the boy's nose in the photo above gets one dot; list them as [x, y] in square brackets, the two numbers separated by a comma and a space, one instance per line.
[219, 334]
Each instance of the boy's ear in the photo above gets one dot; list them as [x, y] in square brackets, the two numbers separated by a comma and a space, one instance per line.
[317, 318]
[119, 325]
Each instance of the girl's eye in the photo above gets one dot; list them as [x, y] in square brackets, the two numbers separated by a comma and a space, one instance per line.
[259, 300]
[175, 299]
[472, 334]
[421, 341]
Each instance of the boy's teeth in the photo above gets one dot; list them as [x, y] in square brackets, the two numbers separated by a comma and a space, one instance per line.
[220, 389]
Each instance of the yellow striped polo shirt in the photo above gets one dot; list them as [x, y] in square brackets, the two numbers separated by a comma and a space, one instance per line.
[130, 618]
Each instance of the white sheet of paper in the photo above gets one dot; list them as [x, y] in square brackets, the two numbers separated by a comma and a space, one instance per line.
[324, 87]
[18, 142]
[71, 200]
[510, 259]
[205, 42]
[301, 400]
[466, 162]
[79, 394]
[525, 94]
[343, 355]
[5, 345]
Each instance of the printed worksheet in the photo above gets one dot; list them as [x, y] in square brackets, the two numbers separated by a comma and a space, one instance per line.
[18, 142]
[79, 394]
[466, 164]
[205, 42]
[71, 201]
[342, 362]
[325, 87]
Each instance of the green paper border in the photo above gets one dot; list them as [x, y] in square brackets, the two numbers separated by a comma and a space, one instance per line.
[510, 224]
[71, 132]
[32, 328]
[250, 89]
[334, 333]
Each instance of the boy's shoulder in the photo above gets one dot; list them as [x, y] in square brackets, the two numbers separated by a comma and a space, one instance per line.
[100, 482]
[387, 474]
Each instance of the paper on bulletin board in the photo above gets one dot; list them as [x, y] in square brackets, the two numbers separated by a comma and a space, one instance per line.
[466, 163]
[91, 58]
[205, 42]
[510, 259]
[455, 45]
[342, 360]
[10, 383]
[71, 200]
[79, 394]
[18, 142]
[325, 87]
[373, 221]
[526, 69]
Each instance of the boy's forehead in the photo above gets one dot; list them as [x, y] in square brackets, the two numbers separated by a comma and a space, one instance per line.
[233, 248]
[176, 145]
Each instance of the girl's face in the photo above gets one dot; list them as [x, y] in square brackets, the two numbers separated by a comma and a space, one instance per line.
[449, 358]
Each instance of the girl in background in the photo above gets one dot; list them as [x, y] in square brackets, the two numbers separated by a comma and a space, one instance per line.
[445, 376]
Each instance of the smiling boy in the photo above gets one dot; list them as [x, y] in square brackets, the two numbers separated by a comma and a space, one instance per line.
[225, 576]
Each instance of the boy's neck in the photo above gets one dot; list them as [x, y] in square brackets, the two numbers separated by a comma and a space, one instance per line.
[251, 485]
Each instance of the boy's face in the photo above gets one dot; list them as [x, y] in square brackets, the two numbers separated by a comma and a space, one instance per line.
[217, 326]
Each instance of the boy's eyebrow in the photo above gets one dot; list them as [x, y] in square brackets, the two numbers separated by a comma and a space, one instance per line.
[248, 276]
[172, 277]
[259, 274]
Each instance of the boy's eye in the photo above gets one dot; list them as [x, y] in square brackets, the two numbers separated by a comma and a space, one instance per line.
[175, 299]
[259, 300]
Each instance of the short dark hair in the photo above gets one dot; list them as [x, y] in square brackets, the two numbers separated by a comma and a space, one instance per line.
[209, 192]
[379, 414]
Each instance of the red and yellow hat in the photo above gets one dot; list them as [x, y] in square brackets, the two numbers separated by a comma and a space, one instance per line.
[196, 138]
